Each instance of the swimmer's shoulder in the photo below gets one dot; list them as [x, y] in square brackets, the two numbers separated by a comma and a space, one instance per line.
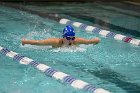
[57, 42]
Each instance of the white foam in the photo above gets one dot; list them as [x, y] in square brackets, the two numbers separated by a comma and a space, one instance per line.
[37, 47]
[69, 49]
[39, 34]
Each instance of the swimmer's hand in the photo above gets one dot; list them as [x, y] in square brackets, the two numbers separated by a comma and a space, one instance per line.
[95, 40]
[23, 41]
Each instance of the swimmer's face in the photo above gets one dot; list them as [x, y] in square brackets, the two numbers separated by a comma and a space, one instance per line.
[69, 40]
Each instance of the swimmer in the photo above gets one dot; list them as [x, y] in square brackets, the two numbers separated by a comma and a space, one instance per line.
[68, 39]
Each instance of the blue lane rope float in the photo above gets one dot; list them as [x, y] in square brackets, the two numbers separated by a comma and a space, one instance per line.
[49, 71]
[101, 32]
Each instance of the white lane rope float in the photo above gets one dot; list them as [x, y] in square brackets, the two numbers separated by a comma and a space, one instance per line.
[49, 71]
[102, 32]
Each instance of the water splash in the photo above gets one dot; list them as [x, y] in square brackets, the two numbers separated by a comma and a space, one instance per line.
[35, 47]
[80, 48]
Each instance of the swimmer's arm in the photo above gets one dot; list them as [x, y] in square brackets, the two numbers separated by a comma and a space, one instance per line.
[86, 41]
[50, 41]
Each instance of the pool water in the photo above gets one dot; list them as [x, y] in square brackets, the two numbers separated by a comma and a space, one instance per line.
[112, 65]
[107, 12]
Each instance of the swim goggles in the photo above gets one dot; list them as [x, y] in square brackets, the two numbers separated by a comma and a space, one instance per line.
[70, 38]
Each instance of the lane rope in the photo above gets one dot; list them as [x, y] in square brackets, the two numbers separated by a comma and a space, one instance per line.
[49, 71]
[101, 32]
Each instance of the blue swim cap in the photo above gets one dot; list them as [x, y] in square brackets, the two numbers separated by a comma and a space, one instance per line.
[68, 31]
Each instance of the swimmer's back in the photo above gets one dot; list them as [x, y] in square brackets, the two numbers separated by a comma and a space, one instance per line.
[55, 42]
